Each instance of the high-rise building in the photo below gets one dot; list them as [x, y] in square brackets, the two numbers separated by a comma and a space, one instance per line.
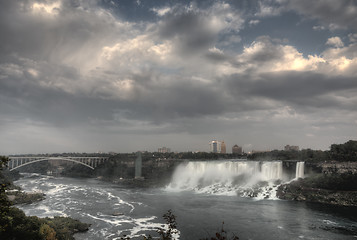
[236, 149]
[214, 146]
[223, 147]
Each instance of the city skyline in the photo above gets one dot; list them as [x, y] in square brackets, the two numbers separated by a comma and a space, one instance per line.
[122, 76]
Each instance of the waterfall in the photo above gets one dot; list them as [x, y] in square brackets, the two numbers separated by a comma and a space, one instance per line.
[300, 170]
[225, 177]
[272, 170]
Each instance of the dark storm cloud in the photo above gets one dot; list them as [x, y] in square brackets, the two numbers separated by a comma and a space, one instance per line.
[40, 99]
[24, 96]
[182, 98]
[190, 30]
[334, 14]
[303, 89]
[196, 27]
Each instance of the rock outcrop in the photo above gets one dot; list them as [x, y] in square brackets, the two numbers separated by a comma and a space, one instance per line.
[319, 190]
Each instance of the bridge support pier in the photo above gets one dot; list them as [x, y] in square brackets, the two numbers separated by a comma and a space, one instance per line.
[138, 165]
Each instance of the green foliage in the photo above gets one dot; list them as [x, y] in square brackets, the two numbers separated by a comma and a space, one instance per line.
[344, 152]
[338, 152]
[47, 232]
[19, 226]
[167, 234]
[3, 162]
[65, 227]
[222, 235]
[4, 202]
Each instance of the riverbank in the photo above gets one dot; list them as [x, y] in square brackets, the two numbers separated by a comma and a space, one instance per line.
[16, 225]
[20, 226]
[332, 188]
[19, 197]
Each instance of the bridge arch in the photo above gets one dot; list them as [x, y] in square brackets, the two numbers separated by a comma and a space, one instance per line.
[49, 159]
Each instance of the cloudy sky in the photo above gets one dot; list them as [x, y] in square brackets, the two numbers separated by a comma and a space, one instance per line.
[125, 75]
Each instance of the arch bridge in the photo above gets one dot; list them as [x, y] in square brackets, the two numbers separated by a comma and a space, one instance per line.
[90, 162]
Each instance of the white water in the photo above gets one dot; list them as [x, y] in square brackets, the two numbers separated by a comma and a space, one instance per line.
[300, 170]
[245, 178]
[94, 202]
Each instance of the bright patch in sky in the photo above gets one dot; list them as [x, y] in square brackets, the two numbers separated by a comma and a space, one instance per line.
[50, 8]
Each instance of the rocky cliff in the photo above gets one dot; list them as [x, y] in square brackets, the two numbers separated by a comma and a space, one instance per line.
[326, 182]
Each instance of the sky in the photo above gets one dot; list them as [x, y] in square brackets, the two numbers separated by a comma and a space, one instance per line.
[123, 76]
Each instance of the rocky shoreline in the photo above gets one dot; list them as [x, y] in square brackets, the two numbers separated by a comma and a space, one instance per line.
[20, 197]
[332, 188]
[297, 191]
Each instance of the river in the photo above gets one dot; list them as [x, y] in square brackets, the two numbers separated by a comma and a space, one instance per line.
[199, 204]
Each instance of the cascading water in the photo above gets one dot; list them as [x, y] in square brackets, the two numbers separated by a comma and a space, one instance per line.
[300, 170]
[246, 178]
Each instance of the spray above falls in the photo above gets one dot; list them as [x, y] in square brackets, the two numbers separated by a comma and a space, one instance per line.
[245, 178]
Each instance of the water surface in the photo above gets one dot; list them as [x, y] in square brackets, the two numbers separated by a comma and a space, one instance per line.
[199, 215]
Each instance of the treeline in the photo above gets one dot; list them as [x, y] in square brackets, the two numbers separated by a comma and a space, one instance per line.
[303, 155]
[344, 152]
[338, 152]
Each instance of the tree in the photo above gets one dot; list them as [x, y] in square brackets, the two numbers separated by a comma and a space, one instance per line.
[47, 232]
[344, 152]
[4, 202]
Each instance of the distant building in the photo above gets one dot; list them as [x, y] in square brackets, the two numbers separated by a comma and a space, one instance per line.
[236, 149]
[223, 147]
[164, 150]
[215, 146]
[290, 148]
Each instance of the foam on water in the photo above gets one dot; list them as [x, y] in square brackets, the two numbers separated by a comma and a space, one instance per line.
[44, 211]
[65, 198]
[134, 227]
[121, 202]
